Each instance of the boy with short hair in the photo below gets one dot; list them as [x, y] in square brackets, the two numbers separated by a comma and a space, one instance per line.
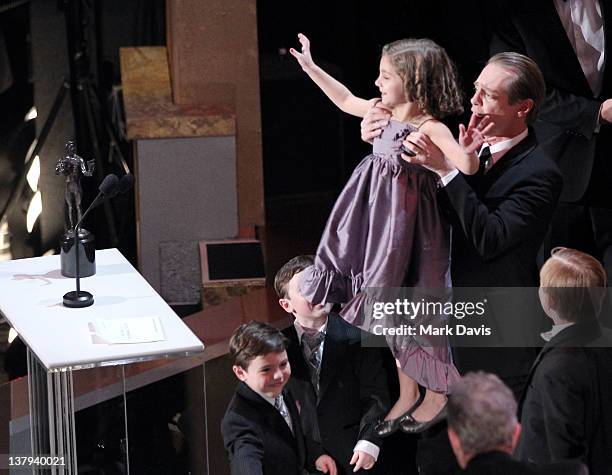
[261, 428]
[342, 387]
[565, 409]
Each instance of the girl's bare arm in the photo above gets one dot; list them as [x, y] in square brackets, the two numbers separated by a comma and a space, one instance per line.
[337, 92]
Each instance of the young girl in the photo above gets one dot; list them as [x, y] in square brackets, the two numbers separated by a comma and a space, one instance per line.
[385, 230]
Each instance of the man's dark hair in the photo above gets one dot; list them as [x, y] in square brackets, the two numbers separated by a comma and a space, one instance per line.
[527, 81]
[285, 273]
[254, 339]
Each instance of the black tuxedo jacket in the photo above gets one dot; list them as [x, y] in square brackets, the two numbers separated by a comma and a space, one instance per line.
[500, 218]
[258, 440]
[566, 411]
[569, 117]
[500, 463]
[499, 221]
[353, 394]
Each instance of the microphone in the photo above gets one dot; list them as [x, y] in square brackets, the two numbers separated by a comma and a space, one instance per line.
[107, 189]
[125, 183]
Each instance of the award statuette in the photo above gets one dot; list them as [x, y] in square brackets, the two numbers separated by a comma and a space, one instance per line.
[72, 167]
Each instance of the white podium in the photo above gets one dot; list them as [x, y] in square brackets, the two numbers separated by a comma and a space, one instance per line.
[59, 339]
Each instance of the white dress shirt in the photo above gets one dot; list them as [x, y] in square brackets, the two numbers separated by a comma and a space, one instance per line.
[549, 335]
[583, 23]
[498, 150]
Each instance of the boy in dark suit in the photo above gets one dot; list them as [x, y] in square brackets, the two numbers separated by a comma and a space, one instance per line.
[261, 428]
[565, 410]
[341, 386]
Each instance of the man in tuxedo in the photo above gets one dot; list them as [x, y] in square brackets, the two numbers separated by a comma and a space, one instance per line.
[341, 386]
[500, 215]
[483, 430]
[261, 428]
[566, 410]
[568, 40]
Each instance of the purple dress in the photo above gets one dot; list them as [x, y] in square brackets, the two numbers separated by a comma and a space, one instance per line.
[385, 231]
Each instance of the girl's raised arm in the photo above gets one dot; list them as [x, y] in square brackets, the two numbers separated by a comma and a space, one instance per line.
[334, 89]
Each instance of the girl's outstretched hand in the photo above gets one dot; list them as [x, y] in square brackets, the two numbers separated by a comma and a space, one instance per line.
[303, 57]
[473, 136]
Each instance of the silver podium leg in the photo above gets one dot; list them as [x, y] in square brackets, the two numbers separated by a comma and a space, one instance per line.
[52, 430]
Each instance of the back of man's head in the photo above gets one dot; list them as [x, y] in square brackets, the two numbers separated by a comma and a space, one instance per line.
[481, 416]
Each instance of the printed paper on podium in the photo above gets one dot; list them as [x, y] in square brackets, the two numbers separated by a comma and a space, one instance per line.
[126, 330]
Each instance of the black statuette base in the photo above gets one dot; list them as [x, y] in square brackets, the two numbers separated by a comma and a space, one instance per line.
[80, 300]
[87, 254]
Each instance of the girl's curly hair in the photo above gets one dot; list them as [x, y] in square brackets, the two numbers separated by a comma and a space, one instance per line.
[429, 76]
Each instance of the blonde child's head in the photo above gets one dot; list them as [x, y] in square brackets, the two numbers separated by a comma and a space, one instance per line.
[428, 75]
[572, 285]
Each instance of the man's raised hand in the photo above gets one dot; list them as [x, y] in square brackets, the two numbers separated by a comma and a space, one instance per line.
[473, 136]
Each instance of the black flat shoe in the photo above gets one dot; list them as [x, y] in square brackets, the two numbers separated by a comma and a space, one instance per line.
[413, 426]
[386, 428]
[405, 418]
